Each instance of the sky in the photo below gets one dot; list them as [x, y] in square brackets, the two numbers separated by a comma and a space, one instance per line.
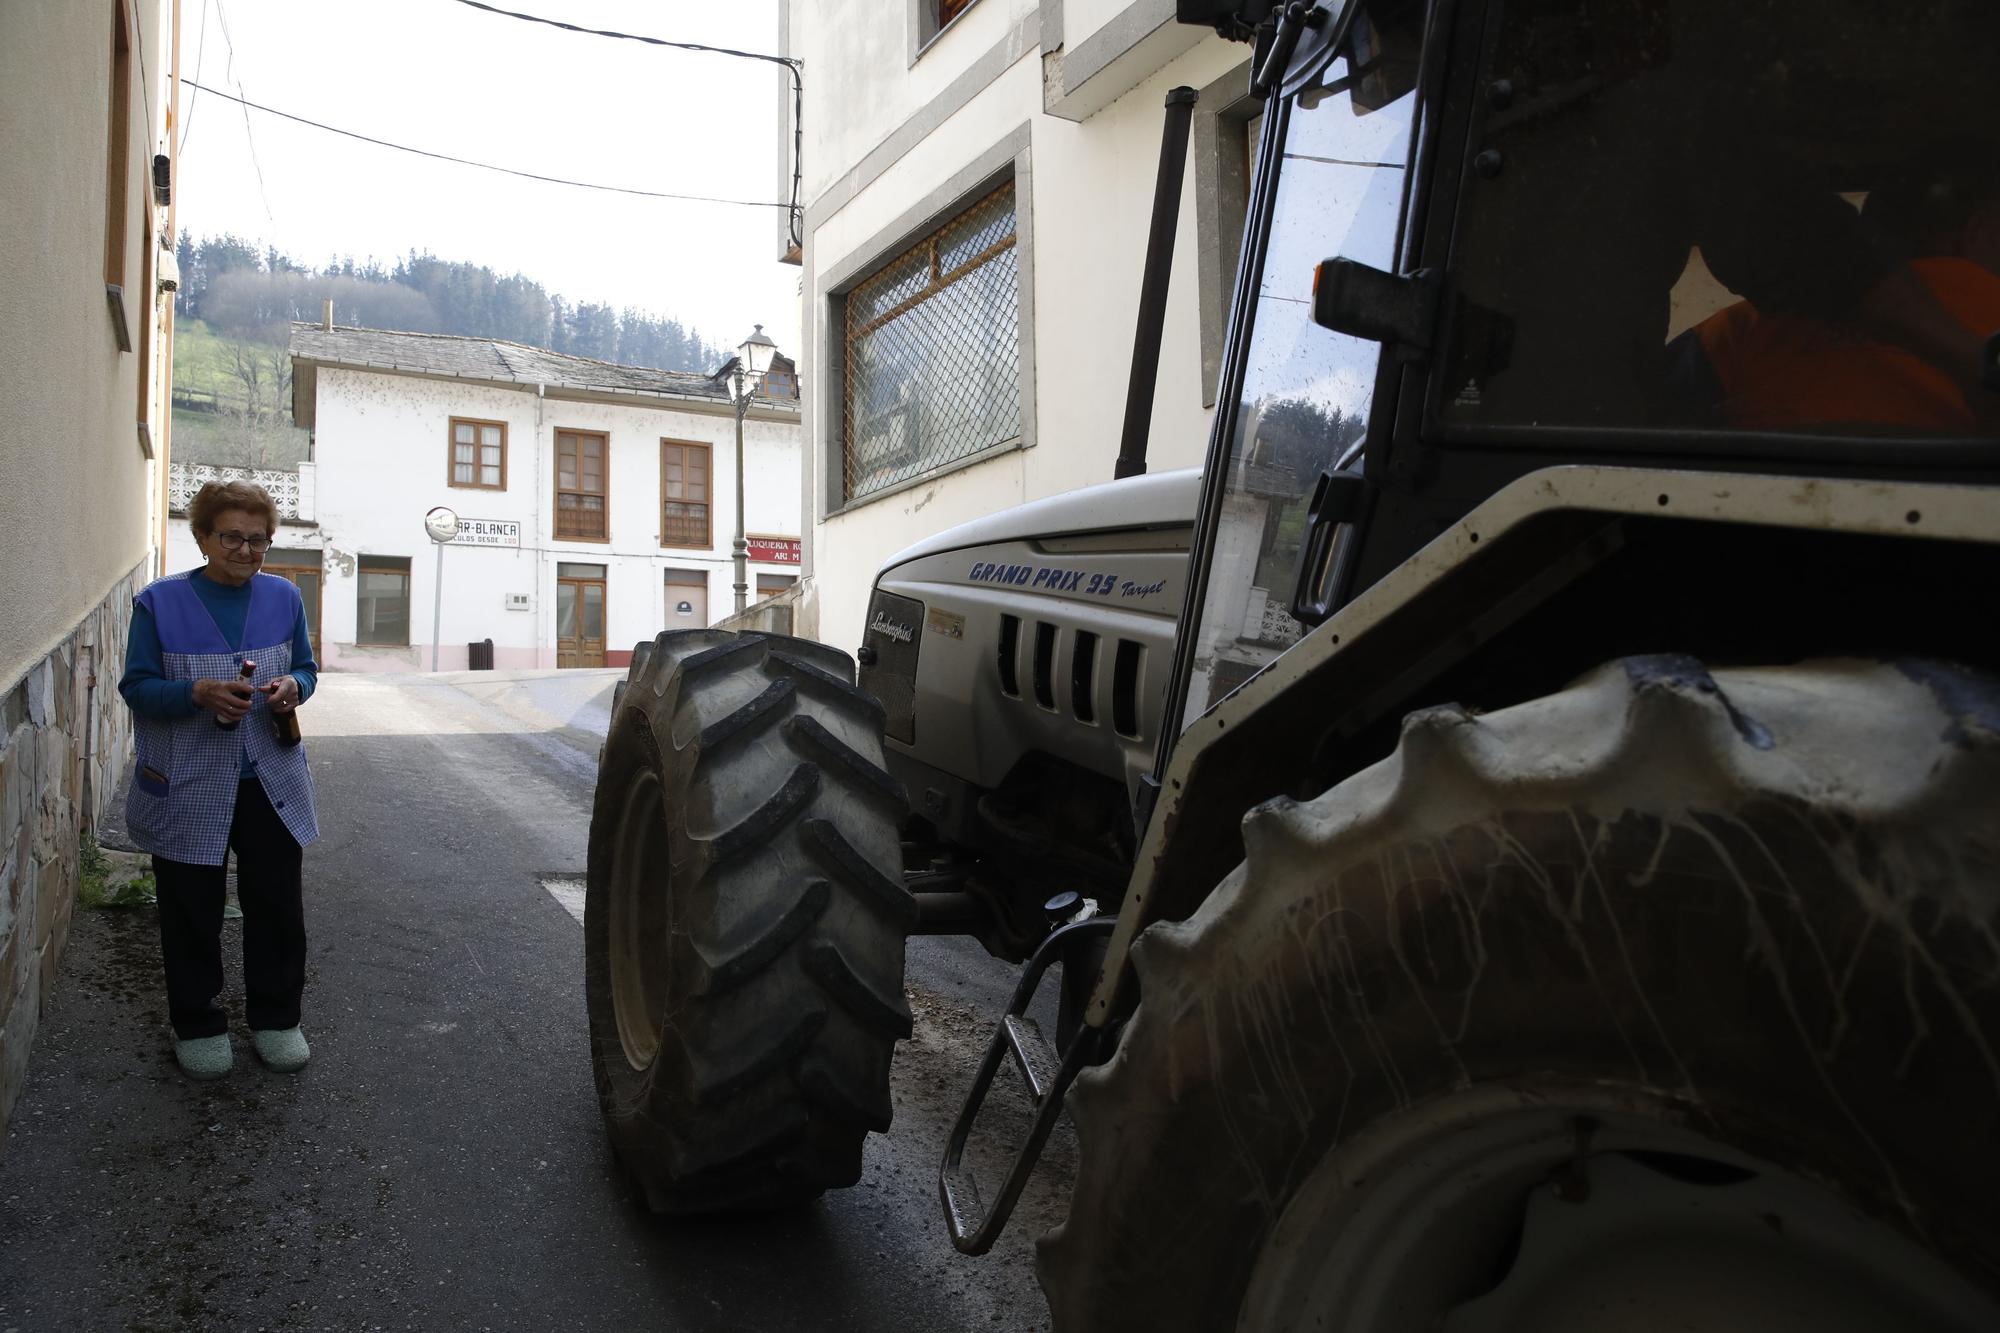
[440, 75]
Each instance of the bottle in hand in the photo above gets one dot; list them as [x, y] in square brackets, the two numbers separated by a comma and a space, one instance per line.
[229, 723]
[285, 726]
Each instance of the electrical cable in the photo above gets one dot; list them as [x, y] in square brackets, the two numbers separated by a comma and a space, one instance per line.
[229, 72]
[486, 166]
[791, 65]
[200, 50]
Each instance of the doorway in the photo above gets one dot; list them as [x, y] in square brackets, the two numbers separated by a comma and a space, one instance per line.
[579, 615]
[687, 599]
[301, 569]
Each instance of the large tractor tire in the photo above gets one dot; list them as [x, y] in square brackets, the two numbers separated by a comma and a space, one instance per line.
[744, 922]
[1668, 1001]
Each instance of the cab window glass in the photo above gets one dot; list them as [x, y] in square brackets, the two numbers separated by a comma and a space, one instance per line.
[1306, 389]
[1750, 215]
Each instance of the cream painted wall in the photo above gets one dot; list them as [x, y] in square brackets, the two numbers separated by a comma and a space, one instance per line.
[380, 451]
[75, 485]
[1092, 192]
[862, 85]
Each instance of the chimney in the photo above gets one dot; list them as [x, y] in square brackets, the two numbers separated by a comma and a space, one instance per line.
[326, 317]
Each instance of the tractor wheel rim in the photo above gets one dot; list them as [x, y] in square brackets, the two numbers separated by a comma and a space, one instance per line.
[641, 913]
[1488, 1213]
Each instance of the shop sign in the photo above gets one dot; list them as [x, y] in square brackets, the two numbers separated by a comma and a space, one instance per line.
[774, 550]
[487, 532]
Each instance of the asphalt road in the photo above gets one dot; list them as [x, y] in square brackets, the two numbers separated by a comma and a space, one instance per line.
[440, 1164]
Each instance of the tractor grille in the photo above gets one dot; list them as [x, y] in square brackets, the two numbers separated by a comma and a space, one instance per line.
[894, 633]
[1046, 645]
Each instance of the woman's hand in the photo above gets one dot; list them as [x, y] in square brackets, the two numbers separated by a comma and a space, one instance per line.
[229, 700]
[283, 694]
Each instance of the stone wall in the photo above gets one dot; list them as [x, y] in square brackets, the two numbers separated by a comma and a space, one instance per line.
[773, 615]
[50, 793]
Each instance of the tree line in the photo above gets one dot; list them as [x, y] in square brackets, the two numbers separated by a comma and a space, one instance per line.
[250, 294]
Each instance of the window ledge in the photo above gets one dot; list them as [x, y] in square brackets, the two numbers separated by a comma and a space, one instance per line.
[993, 451]
[121, 327]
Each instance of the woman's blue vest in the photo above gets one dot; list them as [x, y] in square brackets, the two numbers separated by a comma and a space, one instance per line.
[184, 789]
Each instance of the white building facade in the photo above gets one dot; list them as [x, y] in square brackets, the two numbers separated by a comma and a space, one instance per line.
[596, 503]
[977, 185]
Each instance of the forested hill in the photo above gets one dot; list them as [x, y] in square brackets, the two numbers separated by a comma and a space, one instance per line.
[250, 295]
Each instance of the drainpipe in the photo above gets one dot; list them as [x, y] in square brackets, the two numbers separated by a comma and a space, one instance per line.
[1153, 285]
[541, 474]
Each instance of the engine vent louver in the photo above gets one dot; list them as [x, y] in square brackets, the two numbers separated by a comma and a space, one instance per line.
[1045, 664]
[1083, 677]
[1125, 688]
[1010, 656]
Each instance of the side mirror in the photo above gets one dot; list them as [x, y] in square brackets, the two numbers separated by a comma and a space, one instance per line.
[1356, 299]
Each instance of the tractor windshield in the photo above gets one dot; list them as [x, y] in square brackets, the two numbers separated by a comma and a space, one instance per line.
[1304, 401]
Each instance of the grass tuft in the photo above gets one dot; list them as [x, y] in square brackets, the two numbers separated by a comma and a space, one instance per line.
[99, 886]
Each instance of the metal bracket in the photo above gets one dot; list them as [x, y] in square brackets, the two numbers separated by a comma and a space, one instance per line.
[1047, 1077]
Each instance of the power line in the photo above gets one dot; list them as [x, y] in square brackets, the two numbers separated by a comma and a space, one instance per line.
[487, 166]
[791, 66]
[787, 61]
[201, 49]
[229, 72]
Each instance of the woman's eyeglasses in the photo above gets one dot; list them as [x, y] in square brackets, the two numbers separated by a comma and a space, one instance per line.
[232, 541]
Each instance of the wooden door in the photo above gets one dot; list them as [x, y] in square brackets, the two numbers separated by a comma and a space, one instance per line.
[579, 622]
[301, 568]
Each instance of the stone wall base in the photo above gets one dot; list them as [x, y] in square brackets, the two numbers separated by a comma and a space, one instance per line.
[63, 750]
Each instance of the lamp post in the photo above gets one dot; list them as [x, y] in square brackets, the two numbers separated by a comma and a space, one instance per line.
[753, 358]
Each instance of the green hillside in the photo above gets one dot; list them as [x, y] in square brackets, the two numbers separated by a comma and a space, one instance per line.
[232, 401]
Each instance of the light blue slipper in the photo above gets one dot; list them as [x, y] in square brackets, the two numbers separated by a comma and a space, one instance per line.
[282, 1049]
[204, 1058]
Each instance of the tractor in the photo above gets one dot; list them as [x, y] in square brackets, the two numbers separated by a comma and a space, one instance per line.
[1517, 830]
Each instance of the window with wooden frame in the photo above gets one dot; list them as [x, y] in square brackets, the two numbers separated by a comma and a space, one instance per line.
[478, 454]
[582, 480]
[685, 495]
[934, 16]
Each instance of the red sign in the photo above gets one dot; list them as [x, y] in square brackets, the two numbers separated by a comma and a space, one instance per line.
[774, 550]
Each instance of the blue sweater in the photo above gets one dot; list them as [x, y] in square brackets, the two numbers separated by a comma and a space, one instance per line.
[144, 685]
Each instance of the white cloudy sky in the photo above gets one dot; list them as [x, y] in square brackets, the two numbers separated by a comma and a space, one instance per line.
[440, 75]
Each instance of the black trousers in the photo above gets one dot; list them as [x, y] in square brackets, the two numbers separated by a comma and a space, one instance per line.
[270, 889]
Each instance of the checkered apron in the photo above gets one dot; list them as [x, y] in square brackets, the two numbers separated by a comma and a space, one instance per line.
[183, 794]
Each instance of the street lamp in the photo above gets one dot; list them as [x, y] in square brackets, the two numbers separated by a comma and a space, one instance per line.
[746, 376]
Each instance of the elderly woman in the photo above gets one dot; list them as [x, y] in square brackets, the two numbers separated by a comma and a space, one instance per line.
[218, 662]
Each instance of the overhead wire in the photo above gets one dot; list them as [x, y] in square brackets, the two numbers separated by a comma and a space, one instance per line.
[790, 64]
[229, 72]
[200, 50]
[487, 166]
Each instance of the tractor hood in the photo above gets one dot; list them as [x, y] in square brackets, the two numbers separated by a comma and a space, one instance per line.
[1155, 500]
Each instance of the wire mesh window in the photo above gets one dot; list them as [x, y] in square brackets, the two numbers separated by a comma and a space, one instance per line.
[580, 486]
[479, 453]
[684, 495]
[933, 352]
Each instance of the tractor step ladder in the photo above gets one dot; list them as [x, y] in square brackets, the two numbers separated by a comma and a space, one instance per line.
[1047, 1076]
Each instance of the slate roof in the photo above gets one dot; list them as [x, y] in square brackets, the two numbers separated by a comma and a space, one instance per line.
[490, 360]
